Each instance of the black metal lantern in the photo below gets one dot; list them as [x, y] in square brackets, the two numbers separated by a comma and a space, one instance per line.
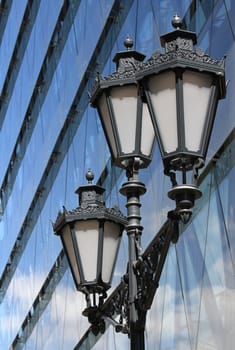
[90, 236]
[182, 88]
[123, 111]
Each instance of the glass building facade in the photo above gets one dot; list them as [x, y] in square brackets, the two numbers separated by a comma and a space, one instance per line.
[50, 53]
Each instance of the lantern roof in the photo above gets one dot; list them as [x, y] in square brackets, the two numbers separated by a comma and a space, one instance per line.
[126, 65]
[190, 38]
[180, 54]
[91, 206]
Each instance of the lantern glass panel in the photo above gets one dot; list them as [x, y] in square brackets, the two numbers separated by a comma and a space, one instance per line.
[107, 125]
[69, 248]
[162, 93]
[112, 235]
[147, 132]
[197, 92]
[124, 104]
[87, 239]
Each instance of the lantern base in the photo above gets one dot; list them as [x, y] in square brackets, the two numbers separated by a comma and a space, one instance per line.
[133, 161]
[185, 196]
[94, 315]
[183, 161]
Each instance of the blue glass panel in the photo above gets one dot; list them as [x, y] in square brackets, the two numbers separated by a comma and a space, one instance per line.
[218, 286]
[10, 34]
[27, 77]
[226, 200]
[230, 10]
[217, 39]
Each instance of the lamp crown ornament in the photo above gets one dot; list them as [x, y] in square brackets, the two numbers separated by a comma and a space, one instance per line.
[89, 176]
[128, 43]
[126, 61]
[177, 22]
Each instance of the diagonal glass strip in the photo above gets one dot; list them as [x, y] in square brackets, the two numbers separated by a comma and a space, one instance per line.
[5, 9]
[21, 43]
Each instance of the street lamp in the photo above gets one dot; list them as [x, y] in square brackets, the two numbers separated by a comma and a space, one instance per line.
[91, 236]
[182, 88]
[172, 96]
[130, 137]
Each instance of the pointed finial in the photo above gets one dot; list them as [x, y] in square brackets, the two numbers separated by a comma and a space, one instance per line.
[128, 42]
[89, 176]
[177, 22]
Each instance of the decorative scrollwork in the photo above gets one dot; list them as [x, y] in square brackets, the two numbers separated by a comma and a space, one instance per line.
[148, 270]
[127, 64]
[119, 75]
[192, 56]
[119, 306]
[179, 43]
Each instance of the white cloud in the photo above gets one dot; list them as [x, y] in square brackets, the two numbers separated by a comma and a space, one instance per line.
[63, 312]
[189, 323]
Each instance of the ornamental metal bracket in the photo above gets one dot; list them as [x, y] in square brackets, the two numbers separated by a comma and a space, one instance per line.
[149, 267]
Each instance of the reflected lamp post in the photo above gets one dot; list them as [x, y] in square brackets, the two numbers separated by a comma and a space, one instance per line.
[172, 97]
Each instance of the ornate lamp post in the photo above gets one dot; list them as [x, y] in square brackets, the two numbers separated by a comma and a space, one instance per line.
[172, 96]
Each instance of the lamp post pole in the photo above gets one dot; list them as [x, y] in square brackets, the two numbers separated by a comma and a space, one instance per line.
[133, 189]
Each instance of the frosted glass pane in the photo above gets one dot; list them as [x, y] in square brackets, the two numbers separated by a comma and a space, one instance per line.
[107, 123]
[163, 98]
[69, 247]
[147, 136]
[124, 100]
[87, 234]
[197, 91]
[111, 245]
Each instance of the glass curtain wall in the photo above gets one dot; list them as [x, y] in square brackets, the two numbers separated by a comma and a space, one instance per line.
[50, 53]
